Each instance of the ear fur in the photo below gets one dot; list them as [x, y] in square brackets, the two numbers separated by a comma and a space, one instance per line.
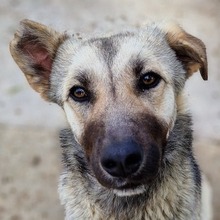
[33, 48]
[189, 50]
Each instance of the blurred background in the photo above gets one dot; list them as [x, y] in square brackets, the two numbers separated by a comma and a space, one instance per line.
[29, 127]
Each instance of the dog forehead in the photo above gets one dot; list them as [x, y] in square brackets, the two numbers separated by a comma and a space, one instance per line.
[116, 51]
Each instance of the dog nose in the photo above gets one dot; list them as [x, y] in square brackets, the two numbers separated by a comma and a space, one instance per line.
[121, 159]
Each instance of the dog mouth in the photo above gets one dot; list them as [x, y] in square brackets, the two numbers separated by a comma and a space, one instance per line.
[130, 190]
[127, 187]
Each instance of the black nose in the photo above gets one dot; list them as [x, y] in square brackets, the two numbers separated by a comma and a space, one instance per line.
[121, 159]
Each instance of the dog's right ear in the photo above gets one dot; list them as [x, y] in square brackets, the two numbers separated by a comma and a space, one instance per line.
[33, 48]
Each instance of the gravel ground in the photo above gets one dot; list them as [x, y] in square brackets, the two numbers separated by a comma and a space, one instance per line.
[29, 148]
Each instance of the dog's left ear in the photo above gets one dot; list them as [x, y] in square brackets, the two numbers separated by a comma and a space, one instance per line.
[189, 50]
[33, 48]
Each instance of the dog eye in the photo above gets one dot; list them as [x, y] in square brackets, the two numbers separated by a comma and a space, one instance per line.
[149, 80]
[79, 94]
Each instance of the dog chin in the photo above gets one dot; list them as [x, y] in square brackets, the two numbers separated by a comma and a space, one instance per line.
[130, 192]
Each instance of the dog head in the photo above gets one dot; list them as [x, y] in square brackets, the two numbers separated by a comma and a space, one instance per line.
[119, 92]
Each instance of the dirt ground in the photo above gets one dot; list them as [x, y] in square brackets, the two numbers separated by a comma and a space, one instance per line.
[29, 127]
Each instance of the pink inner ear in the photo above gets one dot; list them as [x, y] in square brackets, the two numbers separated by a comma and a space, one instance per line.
[39, 56]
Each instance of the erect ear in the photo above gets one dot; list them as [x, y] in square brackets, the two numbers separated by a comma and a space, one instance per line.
[33, 48]
[189, 50]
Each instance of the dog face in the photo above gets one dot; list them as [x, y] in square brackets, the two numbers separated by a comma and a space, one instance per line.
[119, 92]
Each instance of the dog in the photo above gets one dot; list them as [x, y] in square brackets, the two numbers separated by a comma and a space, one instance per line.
[128, 151]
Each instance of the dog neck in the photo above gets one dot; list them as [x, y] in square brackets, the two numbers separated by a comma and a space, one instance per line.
[174, 194]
